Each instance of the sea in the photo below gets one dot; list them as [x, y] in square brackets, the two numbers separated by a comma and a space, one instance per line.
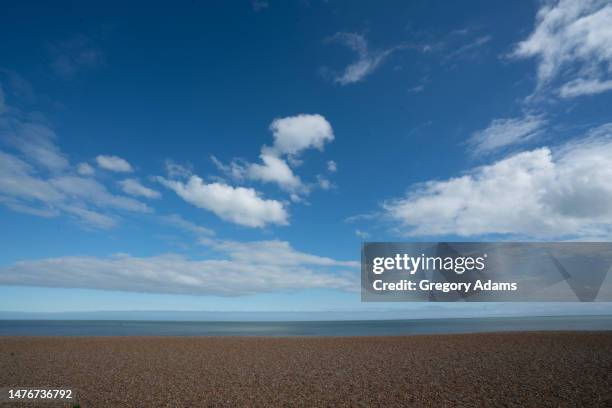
[301, 328]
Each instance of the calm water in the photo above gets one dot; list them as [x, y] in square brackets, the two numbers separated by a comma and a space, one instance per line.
[298, 328]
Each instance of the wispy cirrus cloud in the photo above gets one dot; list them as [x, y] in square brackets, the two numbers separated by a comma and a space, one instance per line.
[469, 48]
[368, 60]
[259, 5]
[504, 133]
[572, 43]
[73, 55]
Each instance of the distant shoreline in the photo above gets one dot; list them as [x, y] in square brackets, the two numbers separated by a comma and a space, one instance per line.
[302, 328]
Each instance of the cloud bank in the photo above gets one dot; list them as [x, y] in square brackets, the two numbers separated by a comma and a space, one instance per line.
[243, 269]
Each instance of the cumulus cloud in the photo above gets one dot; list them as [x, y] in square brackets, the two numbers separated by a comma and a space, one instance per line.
[240, 205]
[133, 187]
[275, 170]
[367, 60]
[572, 42]
[114, 163]
[292, 135]
[543, 193]
[503, 133]
[242, 269]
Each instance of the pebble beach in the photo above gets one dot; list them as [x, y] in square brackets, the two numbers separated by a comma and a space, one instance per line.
[533, 369]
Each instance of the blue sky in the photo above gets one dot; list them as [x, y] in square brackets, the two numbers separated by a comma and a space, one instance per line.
[234, 155]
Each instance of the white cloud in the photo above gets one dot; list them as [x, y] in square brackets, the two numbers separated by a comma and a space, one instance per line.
[294, 134]
[86, 188]
[114, 163]
[543, 193]
[581, 86]
[572, 41]
[92, 218]
[133, 187]
[84, 169]
[243, 206]
[25, 190]
[244, 268]
[273, 252]
[507, 132]
[18, 180]
[332, 167]
[367, 60]
[235, 170]
[41, 182]
[175, 170]
[36, 141]
[20, 206]
[274, 170]
[37, 178]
